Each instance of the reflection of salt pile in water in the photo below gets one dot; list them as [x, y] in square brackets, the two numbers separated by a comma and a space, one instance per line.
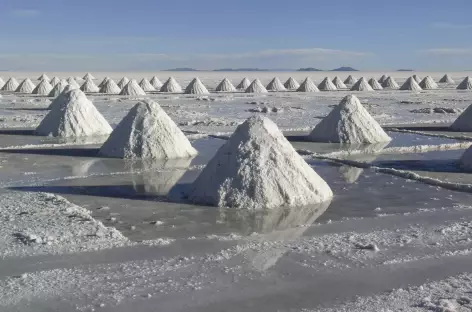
[89, 86]
[146, 85]
[326, 85]
[361, 85]
[308, 86]
[11, 85]
[171, 86]
[375, 84]
[225, 86]
[339, 83]
[464, 121]
[156, 83]
[123, 82]
[291, 84]
[76, 116]
[132, 88]
[243, 85]
[428, 83]
[275, 85]
[350, 80]
[26, 86]
[349, 123]
[82, 168]
[147, 132]
[411, 85]
[446, 79]
[390, 83]
[110, 87]
[256, 87]
[258, 168]
[43, 88]
[196, 87]
[466, 84]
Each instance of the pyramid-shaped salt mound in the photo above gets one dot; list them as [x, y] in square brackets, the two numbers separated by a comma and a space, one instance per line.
[44, 77]
[464, 121]
[466, 160]
[43, 88]
[382, 79]
[123, 82]
[275, 85]
[89, 86]
[11, 85]
[446, 79]
[76, 117]
[147, 132]
[225, 86]
[171, 86]
[156, 83]
[256, 87]
[110, 87]
[291, 84]
[88, 76]
[308, 86]
[103, 82]
[390, 83]
[58, 89]
[411, 85]
[26, 86]
[339, 83]
[71, 80]
[350, 80]
[132, 88]
[362, 85]
[257, 168]
[54, 81]
[349, 123]
[327, 85]
[417, 78]
[146, 85]
[428, 83]
[375, 84]
[196, 87]
[243, 85]
[62, 97]
[466, 84]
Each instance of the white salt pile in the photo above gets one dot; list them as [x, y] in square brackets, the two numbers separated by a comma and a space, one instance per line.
[89, 86]
[243, 85]
[2, 83]
[257, 168]
[225, 86]
[382, 79]
[464, 121]
[339, 83]
[466, 84]
[71, 80]
[156, 83]
[58, 89]
[54, 81]
[466, 159]
[350, 80]
[326, 85]
[123, 82]
[375, 84]
[291, 84]
[411, 85]
[416, 78]
[43, 88]
[390, 83]
[171, 86]
[110, 87]
[308, 86]
[446, 79]
[62, 97]
[11, 85]
[362, 85]
[44, 77]
[146, 85]
[428, 83]
[26, 86]
[256, 87]
[196, 87]
[103, 82]
[147, 132]
[88, 76]
[350, 123]
[275, 85]
[75, 117]
[132, 88]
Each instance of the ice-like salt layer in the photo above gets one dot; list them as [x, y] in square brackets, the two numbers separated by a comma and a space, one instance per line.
[123, 82]
[147, 132]
[146, 85]
[390, 83]
[350, 123]
[11, 85]
[225, 86]
[375, 84]
[275, 85]
[428, 83]
[43, 88]
[326, 85]
[26, 86]
[291, 84]
[350, 80]
[256, 87]
[89, 86]
[466, 84]
[88, 76]
[410, 85]
[76, 116]
[339, 83]
[196, 87]
[171, 86]
[258, 168]
[362, 85]
[156, 83]
[243, 85]
[446, 79]
[308, 86]
[110, 87]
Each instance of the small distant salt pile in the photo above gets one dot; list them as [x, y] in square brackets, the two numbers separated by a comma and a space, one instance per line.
[275, 85]
[362, 85]
[382, 79]
[257, 168]
[256, 86]
[417, 78]
[446, 79]
[11, 85]
[43, 88]
[466, 84]
[156, 83]
[103, 82]
[171, 86]
[196, 87]
[146, 85]
[225, 86]
[43, 77]
[350, 80]
[58, 89]
[464, 121]
[339, 83]
[123, 82]
[243, 85]
[88, 76]
[327, 85]
[89, 86]
[428, 83]
[75, 117]
[110, 87]
[73, 82]
[390, 83]
[147, 132]
[349, 123]
[54, 81]
[308, 86]
[132, 88]
[291, 84]
[411, 85]
[26, 86]
[375, 84]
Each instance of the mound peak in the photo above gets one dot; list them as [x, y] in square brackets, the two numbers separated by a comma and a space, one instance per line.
[146, 85]
[308, 86]
[256, 87]
[375, 84]
[244, 84]
[446, 79]
[339, 83]
[465, 84]
[123, 82]
[26, 86]
[11, 85]
[156, 83]
[327, 85]
[196, 87]
[428, 83]
[110, 87]
[411, 85]
[350, 80]
[362, 85]
[390, 83]
[275, 85]
[132, 88]
[171, 86]
[291, 84]
[225, 86]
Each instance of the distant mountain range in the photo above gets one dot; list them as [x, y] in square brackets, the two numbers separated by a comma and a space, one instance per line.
[344, 68]
[309, 69]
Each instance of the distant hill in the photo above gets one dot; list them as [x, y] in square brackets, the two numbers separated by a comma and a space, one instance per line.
[405, 70]
[181, 69]
[344, 68]
[239, 69]
[309, 69]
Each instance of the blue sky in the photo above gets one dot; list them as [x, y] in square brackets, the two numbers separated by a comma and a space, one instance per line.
[50, 35]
